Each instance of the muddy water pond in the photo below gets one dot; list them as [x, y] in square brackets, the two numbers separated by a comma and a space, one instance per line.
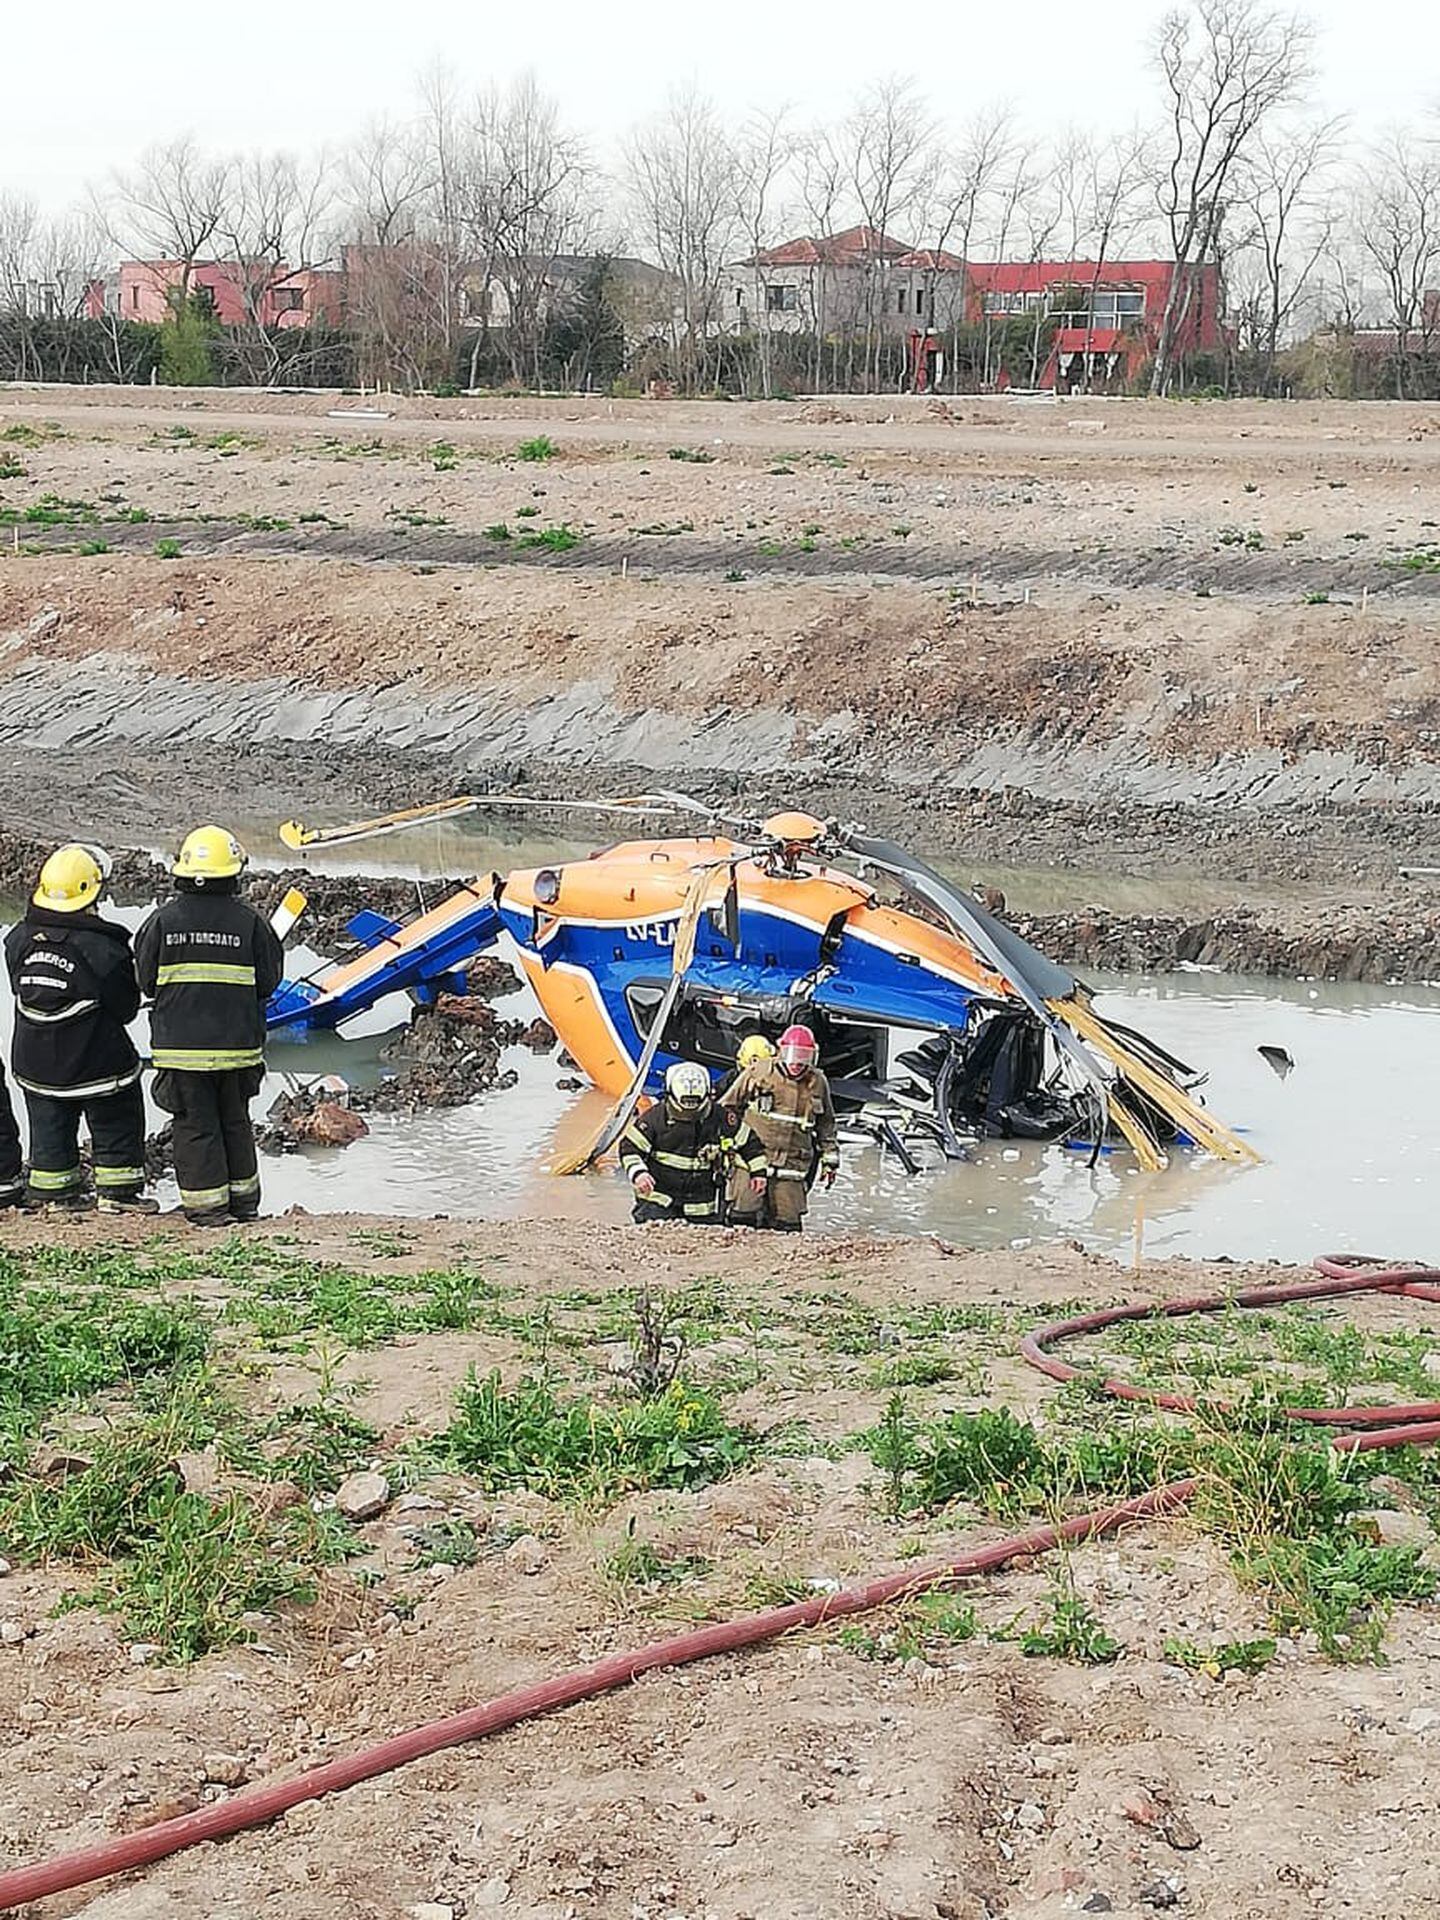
[1351, 1137]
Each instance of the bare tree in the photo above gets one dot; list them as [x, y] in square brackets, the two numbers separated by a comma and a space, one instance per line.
[171, 205]
[1281, 195]
[762, 155]
[522, 200]
[888, 138]
[682, 181]
[276, 227]
[1400, 231]
[1227, 66]
[961, 181]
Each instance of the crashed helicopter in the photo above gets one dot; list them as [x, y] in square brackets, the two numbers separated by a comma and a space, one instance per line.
[936, 1022]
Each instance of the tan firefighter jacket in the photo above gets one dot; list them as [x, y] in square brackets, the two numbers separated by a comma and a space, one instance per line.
[794, 1119]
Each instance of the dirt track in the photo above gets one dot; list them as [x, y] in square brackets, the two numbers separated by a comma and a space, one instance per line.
[801, 1782]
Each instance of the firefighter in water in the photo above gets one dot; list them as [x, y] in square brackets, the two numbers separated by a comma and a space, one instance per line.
[786, 1102]
[675, 1153]
[75, 996]
[209, 963]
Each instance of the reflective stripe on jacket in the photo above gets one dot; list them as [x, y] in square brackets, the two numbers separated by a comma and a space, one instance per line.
[794, 1119]
[75, 995]
[210, 963]
[684, 1154]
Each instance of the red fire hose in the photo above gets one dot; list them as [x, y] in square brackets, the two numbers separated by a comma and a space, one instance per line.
[1378, 1427]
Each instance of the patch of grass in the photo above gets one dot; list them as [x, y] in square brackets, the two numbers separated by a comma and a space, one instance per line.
[733, 575]
[589, 1449]
[90, 548]
[175, 436]
[133, 516]
[409, 517]
[921, 1367]
[667, 529]
[640, 1563]
[316, 520]
[542, 447]
[167, 549]
[50, 510]
[262, 523]
[527, 513]
[1250, 538]
[781, 472]
[446, 1543]
[910, 1632]
[1420, 560]
[552, 539]
[902, 532]
[1225, 1656]
[230, 442]
[1318, 599]
[498, 532]
[23, 434]
[443, 456]
[11, 468]
[695, 455]
[313, 1446]
[829, 460]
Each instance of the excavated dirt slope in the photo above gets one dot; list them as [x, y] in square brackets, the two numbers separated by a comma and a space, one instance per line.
[1186, 641]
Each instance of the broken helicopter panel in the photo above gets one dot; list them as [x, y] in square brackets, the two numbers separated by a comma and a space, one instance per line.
[936, 1021]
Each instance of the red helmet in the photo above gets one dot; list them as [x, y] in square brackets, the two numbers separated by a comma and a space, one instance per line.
[798, 1051]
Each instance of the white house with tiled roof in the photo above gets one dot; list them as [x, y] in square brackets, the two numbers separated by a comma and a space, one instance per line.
[858, 278]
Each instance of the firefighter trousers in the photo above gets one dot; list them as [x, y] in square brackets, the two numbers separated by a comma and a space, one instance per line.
[11, 1185]
[215, 1159]
[117, 1143]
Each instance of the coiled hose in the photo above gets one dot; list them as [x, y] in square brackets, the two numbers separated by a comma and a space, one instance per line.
[1369, 1428]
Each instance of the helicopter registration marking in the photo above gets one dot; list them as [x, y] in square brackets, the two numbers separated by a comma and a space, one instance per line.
[660, 933]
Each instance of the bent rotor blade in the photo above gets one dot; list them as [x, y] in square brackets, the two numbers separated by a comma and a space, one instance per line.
[620, 1114]
[1035, 978]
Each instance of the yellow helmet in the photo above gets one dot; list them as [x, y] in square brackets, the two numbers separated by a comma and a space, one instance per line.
[210, 853]
[72, 879]
[753, 1050]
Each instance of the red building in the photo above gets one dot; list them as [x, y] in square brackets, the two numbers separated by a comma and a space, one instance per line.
[276, 295]
[1106, 318]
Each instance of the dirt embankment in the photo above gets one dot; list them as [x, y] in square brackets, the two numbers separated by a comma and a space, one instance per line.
[1135, 637]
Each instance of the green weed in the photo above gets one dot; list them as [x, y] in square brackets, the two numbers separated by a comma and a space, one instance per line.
[552, 539]
[1421, 560]
[910, 1632]
[527, 513]
[1225, 1656]
[133, 516]
[695, 455]
[23, 434]
[446, 1543]
[50, 510]
[90, 548]
[640, 1563]
[589, 1449]
[498, 532]
[11, 468]
[1073, 1633]
[443, 456]
[1250, 538]
[167, 549]
[542, 447]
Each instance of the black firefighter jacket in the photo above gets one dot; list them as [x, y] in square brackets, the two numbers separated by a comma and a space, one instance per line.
[685, 1155]
[75, 994]
[209, 963]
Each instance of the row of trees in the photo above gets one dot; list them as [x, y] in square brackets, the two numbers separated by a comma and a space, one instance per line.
[476, 231]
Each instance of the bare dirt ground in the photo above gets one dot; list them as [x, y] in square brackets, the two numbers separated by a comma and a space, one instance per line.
[801, 1781]
[1191, 642]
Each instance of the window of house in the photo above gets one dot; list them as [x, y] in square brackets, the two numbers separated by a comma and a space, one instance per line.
[782, 299]
[900, 297]
[1119, 306]
[289, 300]
[134, 299]
[739, 296]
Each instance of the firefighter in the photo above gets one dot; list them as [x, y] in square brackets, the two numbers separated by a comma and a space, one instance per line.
[209, 963]
[12, 1171]
[75, 996]
[752, 1050]
[674, 1154]
[786, 1102]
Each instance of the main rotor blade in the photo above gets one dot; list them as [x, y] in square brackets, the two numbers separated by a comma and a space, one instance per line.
[298, 836]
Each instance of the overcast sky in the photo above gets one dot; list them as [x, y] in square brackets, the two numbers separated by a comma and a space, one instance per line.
[87, 89]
